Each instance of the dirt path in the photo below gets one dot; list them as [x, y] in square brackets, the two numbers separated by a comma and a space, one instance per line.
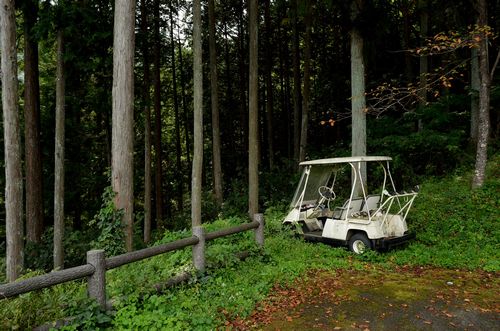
[376, 299]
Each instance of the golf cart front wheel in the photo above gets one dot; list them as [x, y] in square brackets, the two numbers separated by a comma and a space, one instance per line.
[359, 243]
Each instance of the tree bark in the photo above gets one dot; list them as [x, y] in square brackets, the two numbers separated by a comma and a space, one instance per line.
[12, 141]
[296, 83]
[358, 102]
[253, 111]
[307, 82]
[147, 123]
[33, 154]
[59, 155]
[475, 86]
[178, 165]
[184, 104]
[123, 114]
[157, 107]
[214, 97]
[242, 80]
[198, 117]
[484, 100]
[269, 84]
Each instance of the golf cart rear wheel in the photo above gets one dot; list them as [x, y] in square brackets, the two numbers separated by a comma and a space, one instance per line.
[359, 243]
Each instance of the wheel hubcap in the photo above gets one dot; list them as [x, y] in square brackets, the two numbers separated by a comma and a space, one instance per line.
[358, 247]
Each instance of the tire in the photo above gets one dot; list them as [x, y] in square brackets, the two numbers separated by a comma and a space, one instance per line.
[359, 243]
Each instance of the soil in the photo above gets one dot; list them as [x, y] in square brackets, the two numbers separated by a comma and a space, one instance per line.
[378, 299]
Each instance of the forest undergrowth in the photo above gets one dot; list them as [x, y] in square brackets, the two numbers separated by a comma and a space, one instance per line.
[456, 228]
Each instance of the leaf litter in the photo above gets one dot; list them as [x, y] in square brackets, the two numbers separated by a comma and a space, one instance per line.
[409, 298]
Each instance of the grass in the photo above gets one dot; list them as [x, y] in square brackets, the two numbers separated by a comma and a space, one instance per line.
[456, 228]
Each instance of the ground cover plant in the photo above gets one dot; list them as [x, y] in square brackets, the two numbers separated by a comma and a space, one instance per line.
[456, 228]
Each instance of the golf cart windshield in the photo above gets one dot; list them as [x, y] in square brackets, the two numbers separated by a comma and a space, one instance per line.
[313, 177]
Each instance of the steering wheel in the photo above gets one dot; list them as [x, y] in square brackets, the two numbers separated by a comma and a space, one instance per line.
[326, 193]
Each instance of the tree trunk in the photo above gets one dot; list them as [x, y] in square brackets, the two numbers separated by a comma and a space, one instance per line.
[242, 82]
[307, 82]
[178, 168]
[475, 86]
[214, 97]
[184, 105]
[147, 124]
[405, 9]
[358, 102]
[122, 144]
[59, 156]
[157, 106]
[484, 100]
[12, 141]
[424, 60]
[253, 111]
[296, 83]
[230, 98]
[198, 117]
[33, 159]
[269, 84]
[285, 88]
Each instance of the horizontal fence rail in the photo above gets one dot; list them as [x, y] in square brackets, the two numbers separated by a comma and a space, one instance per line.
[232, 230]
[119, 260]
[47, 280]
[95, 269]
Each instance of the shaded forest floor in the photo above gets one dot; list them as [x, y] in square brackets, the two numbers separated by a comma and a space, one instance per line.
[404, 298]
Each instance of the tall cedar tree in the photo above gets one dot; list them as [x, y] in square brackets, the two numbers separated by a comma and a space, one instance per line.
[122, 143]
[12, 141]
[198, 117]
[33, 154]
[306, 93]
[157, 109]
[358, 101]
[296, 81]
[214, 97]
[146, 84]
[484, 98]
[59, 155]
[178, 150]
[269, 82]
[253, 111]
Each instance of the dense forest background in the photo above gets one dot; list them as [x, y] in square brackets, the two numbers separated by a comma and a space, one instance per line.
[422, 100]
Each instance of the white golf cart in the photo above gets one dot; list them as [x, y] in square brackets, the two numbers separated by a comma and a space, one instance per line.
[365, 220]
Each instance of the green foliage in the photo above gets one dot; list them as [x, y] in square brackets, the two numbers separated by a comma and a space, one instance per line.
[109, 224]
[435, 150]
[87, 315]
[456, 228]
[233, 288]
[39, 256]
[34, 309]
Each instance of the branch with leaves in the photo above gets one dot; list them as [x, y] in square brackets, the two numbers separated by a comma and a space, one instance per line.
[391, 96]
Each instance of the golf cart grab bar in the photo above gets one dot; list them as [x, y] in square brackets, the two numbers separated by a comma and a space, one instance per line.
[405, 208]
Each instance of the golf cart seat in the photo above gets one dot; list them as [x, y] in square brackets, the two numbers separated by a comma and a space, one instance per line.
[341, 212]
[371, 204]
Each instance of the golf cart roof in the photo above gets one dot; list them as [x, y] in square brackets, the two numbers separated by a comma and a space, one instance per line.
[349, 159]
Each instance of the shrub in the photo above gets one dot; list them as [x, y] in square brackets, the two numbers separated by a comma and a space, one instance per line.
[109, 225]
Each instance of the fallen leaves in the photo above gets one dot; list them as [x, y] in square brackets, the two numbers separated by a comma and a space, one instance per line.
[344, 299]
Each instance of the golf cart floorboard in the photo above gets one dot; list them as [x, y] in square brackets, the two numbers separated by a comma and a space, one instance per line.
[317, 236]
[314, 234]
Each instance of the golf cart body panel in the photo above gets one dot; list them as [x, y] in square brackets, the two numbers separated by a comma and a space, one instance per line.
[377, 219]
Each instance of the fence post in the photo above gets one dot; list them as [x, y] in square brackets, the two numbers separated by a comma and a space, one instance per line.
[259, 232]
[96, 284]
[199, 249]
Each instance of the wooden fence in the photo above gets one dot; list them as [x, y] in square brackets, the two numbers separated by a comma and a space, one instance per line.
[97, 263]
